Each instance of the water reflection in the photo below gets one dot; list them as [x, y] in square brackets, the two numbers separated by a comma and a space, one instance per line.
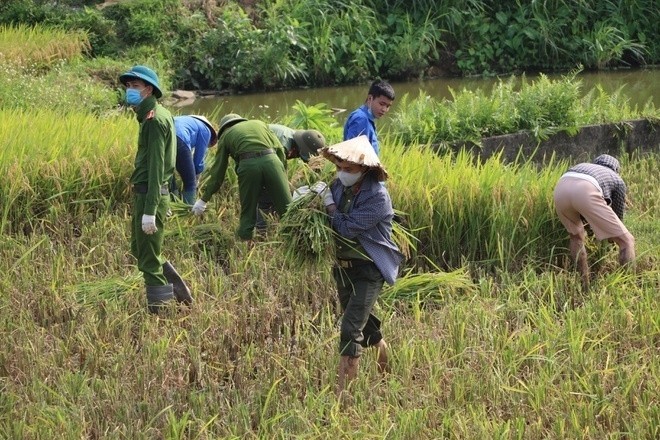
[638, 85]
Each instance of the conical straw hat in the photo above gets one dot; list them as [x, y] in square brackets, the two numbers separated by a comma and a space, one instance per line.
[358, 151]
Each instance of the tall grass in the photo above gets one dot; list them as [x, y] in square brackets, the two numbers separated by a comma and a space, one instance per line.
[497, 214]
[61, 167]
[43, 67]
[256, 356]
[502, 353]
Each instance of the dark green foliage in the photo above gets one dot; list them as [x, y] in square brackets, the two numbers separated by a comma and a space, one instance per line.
[144, 22]
[288, 43]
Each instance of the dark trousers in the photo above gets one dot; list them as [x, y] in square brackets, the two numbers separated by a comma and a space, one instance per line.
[185, 167]
[147, 248]
[358, 289]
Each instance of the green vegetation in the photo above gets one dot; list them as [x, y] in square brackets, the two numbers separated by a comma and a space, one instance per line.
[491, 334]
[271, 44]
[543, 107]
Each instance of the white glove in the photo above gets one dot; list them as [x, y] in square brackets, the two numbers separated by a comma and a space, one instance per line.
[149, 224]
[319, 187]
[327, 197]
[299, 192]
[199, 207]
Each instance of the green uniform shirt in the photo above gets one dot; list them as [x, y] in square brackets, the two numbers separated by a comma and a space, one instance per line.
[244, 137]
[156, 153]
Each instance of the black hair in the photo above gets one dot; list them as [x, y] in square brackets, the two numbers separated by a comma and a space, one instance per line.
[381, 88]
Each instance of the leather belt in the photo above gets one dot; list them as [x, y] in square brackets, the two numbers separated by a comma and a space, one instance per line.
[245, 156]
[355, 262]
[142, 189]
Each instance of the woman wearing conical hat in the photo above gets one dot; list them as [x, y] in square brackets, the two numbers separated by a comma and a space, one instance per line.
[361, 213]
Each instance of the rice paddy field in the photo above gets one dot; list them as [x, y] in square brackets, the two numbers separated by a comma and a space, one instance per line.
[497, 340]
[491, 335]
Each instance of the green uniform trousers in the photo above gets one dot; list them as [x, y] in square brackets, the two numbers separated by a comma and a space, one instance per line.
[253, 174]
[147, 248]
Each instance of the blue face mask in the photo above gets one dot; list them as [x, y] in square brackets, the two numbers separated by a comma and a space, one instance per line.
[133, 97]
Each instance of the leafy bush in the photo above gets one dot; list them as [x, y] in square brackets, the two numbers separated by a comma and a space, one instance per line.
[145, 22]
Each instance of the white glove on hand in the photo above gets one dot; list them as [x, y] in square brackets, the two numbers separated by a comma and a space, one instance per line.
[199, 207]
[149, 224]
[299, 192]
[319, 187]
[322, 189]
[327, 197]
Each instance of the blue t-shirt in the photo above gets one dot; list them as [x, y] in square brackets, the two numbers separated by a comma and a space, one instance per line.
[361, 121]
[196, 135]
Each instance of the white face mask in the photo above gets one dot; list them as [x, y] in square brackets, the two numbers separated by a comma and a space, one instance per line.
[348, 179]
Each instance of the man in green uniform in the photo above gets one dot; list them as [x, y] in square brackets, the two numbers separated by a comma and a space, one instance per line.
[260, 161]
[154, 165]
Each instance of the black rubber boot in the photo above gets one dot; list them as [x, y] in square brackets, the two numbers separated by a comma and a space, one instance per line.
[158, 297]
[181, 290]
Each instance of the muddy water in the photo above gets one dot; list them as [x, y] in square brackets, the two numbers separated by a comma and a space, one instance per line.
[638, 86]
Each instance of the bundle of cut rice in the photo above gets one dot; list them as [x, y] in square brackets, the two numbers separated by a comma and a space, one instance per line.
[180, 209]
[106, 289]
[428, 287]
[306, 234]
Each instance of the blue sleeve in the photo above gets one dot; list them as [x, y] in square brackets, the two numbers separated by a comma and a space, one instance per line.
[356, 124]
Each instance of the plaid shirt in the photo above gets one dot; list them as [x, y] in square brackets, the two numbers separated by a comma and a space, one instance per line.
[613, 186]
[369, 221]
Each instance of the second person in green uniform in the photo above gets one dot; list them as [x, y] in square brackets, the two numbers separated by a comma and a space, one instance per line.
[260, 162]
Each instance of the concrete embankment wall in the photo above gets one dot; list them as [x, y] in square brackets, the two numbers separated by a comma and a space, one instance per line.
[639, 135]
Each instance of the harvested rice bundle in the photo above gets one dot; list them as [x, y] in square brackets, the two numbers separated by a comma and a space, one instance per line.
[318, 168]
[180, 209]
[428, 287]
[305, 231]
[106, 289]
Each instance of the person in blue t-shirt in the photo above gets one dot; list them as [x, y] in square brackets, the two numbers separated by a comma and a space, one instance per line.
[362, 121]
[194, 135]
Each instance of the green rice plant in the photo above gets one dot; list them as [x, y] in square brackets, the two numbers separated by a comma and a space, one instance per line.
[40, 47]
